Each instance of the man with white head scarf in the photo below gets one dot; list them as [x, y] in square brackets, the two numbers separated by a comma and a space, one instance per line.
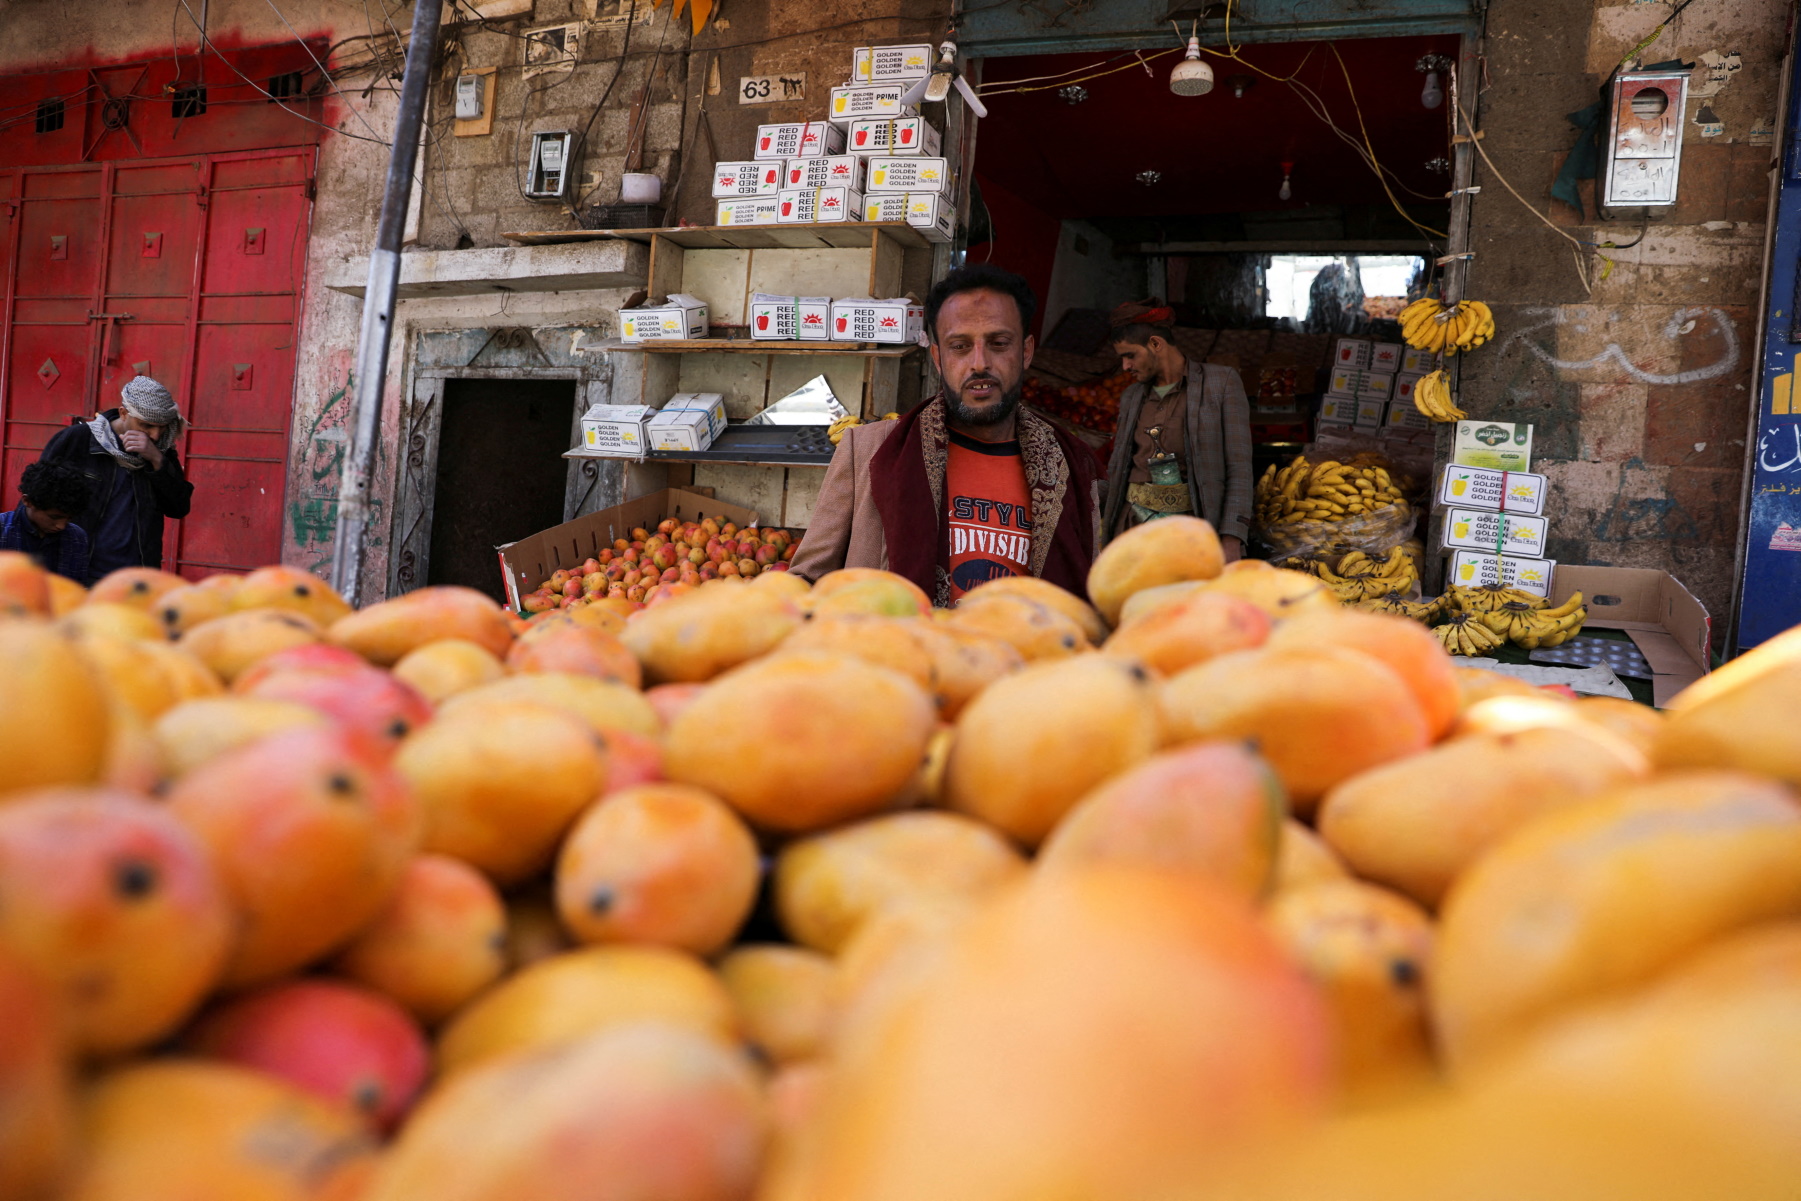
[128, 455]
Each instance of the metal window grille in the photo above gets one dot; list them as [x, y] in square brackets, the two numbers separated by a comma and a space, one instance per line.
[50, 115]
[188, 101]
[284, 87]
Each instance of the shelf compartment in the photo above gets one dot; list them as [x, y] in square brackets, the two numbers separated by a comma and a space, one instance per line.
[759, 445]
[748, 346]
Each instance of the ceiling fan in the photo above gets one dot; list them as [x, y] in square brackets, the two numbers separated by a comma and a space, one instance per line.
[936, 86]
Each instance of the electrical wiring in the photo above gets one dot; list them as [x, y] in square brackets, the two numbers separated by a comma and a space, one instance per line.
[1137, 61]
[581, 143]
[1364, 130]
[322, 71]
[1575, 242]
[1009, 84]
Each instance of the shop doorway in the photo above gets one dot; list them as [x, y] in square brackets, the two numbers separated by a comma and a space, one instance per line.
[501, 475]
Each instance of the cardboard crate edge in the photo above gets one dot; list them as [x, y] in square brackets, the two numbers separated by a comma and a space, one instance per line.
[533, 558]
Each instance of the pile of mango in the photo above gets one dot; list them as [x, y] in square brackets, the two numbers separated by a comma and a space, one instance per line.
[1201, 885]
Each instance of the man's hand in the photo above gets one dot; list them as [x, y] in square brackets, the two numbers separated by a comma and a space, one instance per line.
[1233, 546]
[139, 443]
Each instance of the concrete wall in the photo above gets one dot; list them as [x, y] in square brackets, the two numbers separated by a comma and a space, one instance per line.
[1638, 386]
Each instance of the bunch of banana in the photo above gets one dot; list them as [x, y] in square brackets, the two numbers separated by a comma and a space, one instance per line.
[1328, 491]
[1463, 634]
[1533, 626]
[1359, 577]
[1486, 598]
[1396, 604]
[1432, 397]
[836, 432]
[1428, 324]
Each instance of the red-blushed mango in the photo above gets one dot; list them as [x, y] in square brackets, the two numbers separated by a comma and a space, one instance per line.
[439, 942]
[1050, 596]
[233, 643]
[1370, 952]
[293, 589]
[575, 650]
[53, 710]
[664, 864]
[1405, 646]
[607, 706]
[128, 623]
[140, 587]
[1736, 717]
[65, 595]
[629, 1114]
[370, 703]
[114, 902]
[311, 832]
[567, 996]
[984, 1078]
[786, 999]
[24, 586]
[829, 884]
[198, 731]
[313, 656]
[1418, 823]
[181, 609]
[183, 1130]
[1034, 743]
[502, 781]
[441, 669]
[872, 591]
[1304, 858]
[1636, 880]
[695, 637]
[1032, 628]
[37, 1114]
[345, 1044]
[1214, 810]
[802, 741]
[134, 759]
[384, 633]
[1166, 551]
[1319, 715]
[1193, 629]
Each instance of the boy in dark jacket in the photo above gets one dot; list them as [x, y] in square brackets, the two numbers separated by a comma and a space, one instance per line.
[128, 455]
[43, 524]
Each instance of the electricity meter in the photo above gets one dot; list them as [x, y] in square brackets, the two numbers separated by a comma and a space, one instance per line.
[469, 97]
[551, 165]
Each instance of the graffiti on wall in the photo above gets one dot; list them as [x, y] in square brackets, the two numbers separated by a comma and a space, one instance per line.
[1684, 321]
[313, 513]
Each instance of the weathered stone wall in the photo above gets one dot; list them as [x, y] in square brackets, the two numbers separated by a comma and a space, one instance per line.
[1639, 387]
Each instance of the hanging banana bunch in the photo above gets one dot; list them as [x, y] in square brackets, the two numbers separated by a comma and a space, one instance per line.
[1429, 324]
[1432, 397]
[836, 431]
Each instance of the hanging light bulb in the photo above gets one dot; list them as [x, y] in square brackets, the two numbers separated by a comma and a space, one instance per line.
[1191, 76]
[1434, 65]
[1432, 95]
[1286, 192]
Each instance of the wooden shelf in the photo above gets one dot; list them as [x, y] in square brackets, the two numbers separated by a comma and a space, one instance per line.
[749, 346]
[848, 235]
[759, 445]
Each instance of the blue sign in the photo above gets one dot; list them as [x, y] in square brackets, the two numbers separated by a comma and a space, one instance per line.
[1771, 597]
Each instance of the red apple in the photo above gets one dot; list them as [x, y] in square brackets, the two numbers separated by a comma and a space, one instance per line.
[843, 324]
[906, 134]
[787, 207]
[762, 320]
[348, 1044]
[862, 136]
[671, 575]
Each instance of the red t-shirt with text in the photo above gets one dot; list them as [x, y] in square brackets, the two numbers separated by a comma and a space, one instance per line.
[990, 512]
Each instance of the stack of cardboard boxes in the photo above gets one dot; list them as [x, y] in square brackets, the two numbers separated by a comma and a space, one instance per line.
[872, 159]
[1493, 510]
[688, 421]
[1371, 386]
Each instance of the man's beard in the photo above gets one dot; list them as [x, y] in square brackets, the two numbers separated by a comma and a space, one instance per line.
[961, 414]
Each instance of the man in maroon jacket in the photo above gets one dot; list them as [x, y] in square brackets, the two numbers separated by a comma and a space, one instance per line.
[967, 487]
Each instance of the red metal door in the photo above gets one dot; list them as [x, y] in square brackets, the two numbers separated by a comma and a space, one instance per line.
[186, 270]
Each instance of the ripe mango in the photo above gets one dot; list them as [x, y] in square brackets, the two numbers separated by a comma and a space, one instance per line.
[1213, 810]
[1319, 714]
[1050, 596]
[1191, 629]
[1406, 647]
[1738, 717]
[385, 632]
[1036, 742]
[1032, 628]
[1605, 895]
[441, 669]
[293, 589]
[828, 885]
[693, 638]
[1165, 551]
[1418, 823]
[786, 999]
[761, 738]
[53, 710]
[233, 643]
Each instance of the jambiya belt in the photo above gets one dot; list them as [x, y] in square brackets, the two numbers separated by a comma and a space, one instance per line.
[1160, 498]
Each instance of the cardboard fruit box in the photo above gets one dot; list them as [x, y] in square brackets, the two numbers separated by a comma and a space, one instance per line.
[1664, 620]
[530, 561]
